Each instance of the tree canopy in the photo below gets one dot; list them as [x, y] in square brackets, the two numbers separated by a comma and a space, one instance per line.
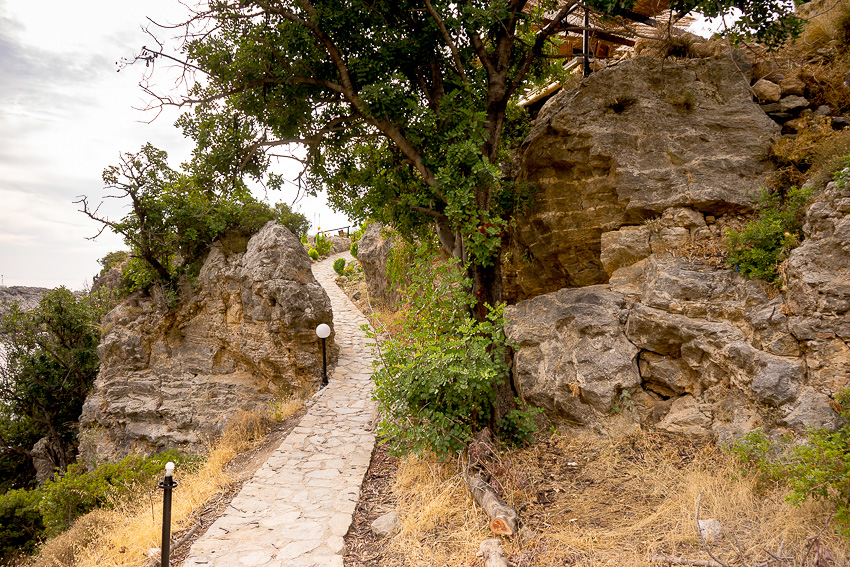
[404, 106]
[49, 364]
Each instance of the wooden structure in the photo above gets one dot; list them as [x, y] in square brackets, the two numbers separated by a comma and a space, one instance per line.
[587, 37]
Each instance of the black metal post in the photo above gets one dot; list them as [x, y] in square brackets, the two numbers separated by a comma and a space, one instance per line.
[585, 43]
[166, 485]
[324, 365]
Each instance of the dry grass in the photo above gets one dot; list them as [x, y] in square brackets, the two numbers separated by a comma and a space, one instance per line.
[124, 535]
[605, 501]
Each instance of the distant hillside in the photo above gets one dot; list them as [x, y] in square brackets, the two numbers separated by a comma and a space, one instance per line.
[27, 297]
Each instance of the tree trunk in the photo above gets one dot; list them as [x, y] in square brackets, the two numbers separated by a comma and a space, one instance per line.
[503, 518]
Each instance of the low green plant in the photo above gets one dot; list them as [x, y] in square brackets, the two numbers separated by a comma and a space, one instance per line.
[436, 379]
[517, 428]
[339, 266]
[323, 244]
[21, 526]
[66, 497]
[759, 249]
[313, 253]
[818, 468]
[353, 271]
[353, 248]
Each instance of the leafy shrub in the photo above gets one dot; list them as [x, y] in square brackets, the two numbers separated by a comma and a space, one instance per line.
[518, 427]
[766, 241]
[818, 468]
[353, 270]
[113, 259]
[437, 377]
[323, 244]
[293, 220]
[313, 253]
[353, 249]
[339, 266]
[21, 526]
[78, 491]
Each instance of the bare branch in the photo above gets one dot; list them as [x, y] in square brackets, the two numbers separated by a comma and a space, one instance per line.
[448, 38]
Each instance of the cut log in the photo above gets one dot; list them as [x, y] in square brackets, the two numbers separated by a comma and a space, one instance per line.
[503, 518]
[493, 553]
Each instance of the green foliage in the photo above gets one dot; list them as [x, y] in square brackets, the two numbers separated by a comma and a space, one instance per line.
[313, 253]
[174, 216]
[517, 428]
[323, 244]
[339, 265]
[766, 241]
[818, 469]
[436, 380]
[21, 526]
[353, 249]
[78, 491]
[769, 22]
[49, 367]
[113, 259]
[294, 221]
[353, 271]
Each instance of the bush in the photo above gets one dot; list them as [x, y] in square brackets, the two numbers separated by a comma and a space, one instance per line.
[353, 249]
[323, 244]
[313, 253]
[436, 380]
[21, 526]
[79, 491]
[339, 265]
[818, 468]
[766, 241]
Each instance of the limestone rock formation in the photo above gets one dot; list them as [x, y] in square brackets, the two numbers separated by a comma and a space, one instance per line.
[373, 253]
[628, 143]
[25, 297]
[699, 350]
[242, 337]
[818, 297]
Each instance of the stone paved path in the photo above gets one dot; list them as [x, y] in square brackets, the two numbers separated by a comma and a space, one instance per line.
[299, 504]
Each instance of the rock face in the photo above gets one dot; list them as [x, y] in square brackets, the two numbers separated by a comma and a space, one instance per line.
[25, 297]
[697, 351]
[373, 253]
[818, 297]
[244, 336]
[624, 146]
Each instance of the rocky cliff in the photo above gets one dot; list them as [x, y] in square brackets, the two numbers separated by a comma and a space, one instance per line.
[628, 143]
[640, 169]
[241, 338]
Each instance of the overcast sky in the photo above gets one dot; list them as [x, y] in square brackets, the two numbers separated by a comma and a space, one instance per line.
[65, 114]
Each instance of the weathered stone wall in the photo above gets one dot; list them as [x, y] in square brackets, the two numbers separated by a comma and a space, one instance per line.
[242, 337]
[628, 143]
[373, 253]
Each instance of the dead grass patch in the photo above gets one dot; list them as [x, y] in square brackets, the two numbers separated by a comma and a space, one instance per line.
[595, 501]
[124, 535]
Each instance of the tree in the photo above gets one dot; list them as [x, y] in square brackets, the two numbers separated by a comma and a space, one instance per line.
[175, 215]
[401, 105]
[50, 365]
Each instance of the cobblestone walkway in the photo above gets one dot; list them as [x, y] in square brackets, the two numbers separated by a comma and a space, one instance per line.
[299, 504]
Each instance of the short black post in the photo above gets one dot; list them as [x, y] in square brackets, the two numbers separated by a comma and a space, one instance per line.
[324, 365]
[166, 485]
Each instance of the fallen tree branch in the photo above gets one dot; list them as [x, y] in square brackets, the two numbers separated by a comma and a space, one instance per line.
[684, 561]
[493, 554]
[702, 537]
[503, 518]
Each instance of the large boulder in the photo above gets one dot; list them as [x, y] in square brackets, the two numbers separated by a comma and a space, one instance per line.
[572, 356]
[240, 339]
[625, 145]
[699, 351]
[373, 253]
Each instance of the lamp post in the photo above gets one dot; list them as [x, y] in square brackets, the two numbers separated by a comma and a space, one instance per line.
[166, 485]
[323, 332]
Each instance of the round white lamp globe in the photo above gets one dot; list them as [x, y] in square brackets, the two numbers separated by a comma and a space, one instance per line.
[169, 468]
[323, 331]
